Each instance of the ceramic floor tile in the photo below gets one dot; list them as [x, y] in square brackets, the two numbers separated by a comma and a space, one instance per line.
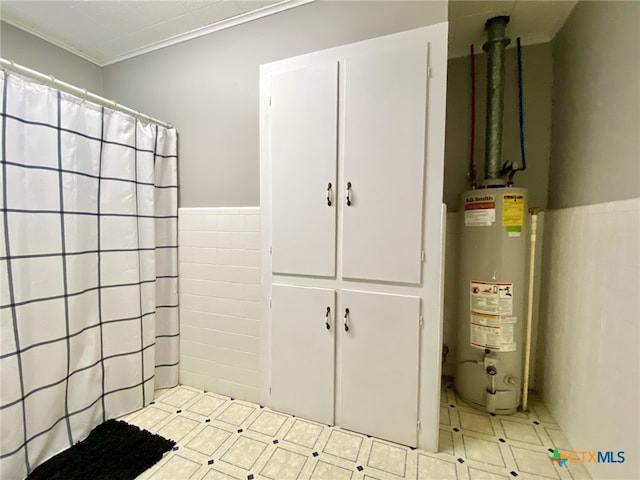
[482, 451]
[430, 468]
[524, 415]
[178, 428]
[476, 423]
[542, 413]
[479, 474]
[462, 404]
[325, 471]
[388, 458]
[149, 418]
[160, 392]
[452, 398]
[179, 397]
[445, 444]
[558, 439]
[344, 445]
[304, 434]
[578, 471]
[520, 432]
[235, 414]
[444, 416]
[284, 464]
[268, 423]
[206, 405]
[209, 440]
[236, 440]
[534, 463]
[244, 453]
[177, 467]
[213, 474]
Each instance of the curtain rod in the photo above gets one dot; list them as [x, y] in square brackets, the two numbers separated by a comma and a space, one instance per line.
[80, 92]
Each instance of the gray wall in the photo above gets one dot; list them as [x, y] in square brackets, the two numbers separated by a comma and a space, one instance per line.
[37, 54]
[208, 87]
[537, 81]
[595, 146]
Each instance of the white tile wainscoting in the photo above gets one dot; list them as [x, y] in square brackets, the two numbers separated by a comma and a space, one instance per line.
[219, 264]
[588, 361]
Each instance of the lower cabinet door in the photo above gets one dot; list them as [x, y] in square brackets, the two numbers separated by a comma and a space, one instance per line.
[303, 351]
[379, 365]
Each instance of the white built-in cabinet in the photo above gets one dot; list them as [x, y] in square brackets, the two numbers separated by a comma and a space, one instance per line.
[380, 365]
[351, 183]
[303, 367]
[304, 129]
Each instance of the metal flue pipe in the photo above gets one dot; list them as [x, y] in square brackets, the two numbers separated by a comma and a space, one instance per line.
[495, 47]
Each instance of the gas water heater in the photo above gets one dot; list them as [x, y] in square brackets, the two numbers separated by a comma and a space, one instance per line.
[492, 282]
[492, 298]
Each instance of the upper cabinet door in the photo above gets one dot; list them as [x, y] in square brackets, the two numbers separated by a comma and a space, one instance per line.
[304, 125]
[384, 154]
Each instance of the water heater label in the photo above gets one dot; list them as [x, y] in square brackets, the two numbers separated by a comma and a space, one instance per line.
[479, 211]
[493, 298]
[513, 211]
[492, 322]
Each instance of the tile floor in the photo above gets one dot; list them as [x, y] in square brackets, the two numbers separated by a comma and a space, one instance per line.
[221, 438]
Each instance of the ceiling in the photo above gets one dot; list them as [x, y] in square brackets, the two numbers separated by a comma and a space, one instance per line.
[106, 32]
[532, 21]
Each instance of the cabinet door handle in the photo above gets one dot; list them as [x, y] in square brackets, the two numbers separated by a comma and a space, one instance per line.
[329, 194]
[346, 318]
[326, 317]
[348, 194]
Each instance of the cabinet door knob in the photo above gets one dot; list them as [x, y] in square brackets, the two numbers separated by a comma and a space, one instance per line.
[346, 318]
[329, 194]
[326, 317]
[348, 194]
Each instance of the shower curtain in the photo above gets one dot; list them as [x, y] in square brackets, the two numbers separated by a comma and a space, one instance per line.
[88, 253]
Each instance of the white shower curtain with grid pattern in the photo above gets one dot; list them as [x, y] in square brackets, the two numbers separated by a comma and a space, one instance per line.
[88, 294]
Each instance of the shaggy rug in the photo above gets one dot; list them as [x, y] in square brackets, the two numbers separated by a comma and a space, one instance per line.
[114, 450]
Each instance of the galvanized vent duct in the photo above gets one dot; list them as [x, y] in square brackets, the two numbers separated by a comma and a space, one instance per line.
[495, 47]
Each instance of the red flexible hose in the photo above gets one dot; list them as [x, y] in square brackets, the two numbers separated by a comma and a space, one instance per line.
[472, 162]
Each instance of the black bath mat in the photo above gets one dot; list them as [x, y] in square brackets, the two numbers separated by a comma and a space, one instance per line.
[114, 450]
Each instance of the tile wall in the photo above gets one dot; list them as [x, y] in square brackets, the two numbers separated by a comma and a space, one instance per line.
[590, 334]
[219, 261]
